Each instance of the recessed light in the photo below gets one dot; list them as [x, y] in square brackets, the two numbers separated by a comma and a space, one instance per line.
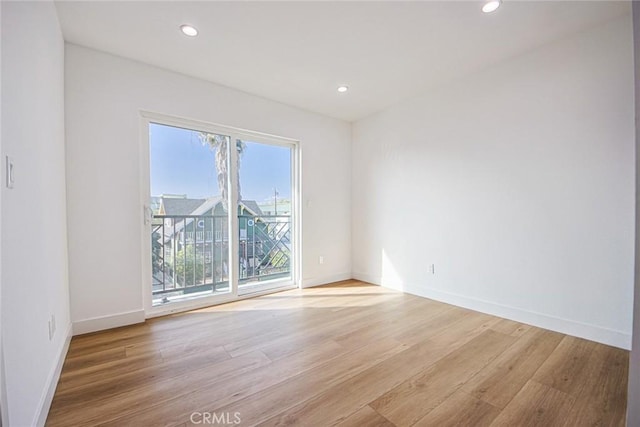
[189, 30]
[491, 6]
[343, 88]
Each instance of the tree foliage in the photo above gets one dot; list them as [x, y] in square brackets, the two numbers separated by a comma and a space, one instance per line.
[190, 266]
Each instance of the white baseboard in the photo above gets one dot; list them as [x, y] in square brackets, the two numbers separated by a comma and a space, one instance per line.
[318, 281]
[52, 382]
[364, 277]
[107, 322]
[566, 326]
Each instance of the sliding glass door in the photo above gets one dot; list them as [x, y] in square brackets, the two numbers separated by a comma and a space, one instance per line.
[264, 216]
[189, 213]
[201, 251]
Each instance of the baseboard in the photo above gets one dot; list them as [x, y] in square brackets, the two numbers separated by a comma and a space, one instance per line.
[52, 382]
[107, 322]
[364, 277]
[318, 281]
[566, 326]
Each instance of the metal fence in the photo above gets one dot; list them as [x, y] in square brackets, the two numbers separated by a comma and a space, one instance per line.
[190, 253]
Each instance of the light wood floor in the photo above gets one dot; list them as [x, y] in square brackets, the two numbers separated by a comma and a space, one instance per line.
[347, 354]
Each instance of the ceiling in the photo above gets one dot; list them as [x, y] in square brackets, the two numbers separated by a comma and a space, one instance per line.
[298, 53]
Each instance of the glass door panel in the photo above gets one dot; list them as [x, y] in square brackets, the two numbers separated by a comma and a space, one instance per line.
[265, 252]
[189, 180]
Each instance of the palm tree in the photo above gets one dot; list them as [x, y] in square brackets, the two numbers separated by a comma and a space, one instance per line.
[219, 143]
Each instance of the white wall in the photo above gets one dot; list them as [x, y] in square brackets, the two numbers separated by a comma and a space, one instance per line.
[34, 234]
[104, 96]
[3, 396]
[633, 402]
[517, 182]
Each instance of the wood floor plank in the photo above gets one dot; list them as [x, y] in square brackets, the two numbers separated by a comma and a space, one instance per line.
[392, 326]
[130, 400]
[246, 317]
[265, 403]
[177, 408]
[460, 409]
[261, 406]
[392, 310]
[503, 378]
[93, 359]
[80, 377]
[396, 311]
[417, 396]
[509, 327]
[366, 417]
[349, 396]
[565, 369]
[601, 399]
[451, 321]
[348, 354]
[536, 405]
[108, 385]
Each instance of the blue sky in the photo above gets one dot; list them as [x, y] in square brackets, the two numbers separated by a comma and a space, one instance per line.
[181, 164]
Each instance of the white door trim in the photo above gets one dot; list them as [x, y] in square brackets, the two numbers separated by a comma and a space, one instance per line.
[148, 117]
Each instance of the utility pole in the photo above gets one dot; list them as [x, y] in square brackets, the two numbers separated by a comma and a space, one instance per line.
[275, 201]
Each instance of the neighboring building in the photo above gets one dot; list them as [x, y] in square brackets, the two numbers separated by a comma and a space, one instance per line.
[276, 207]
[191, 236]
[178, 205]
[210, 219]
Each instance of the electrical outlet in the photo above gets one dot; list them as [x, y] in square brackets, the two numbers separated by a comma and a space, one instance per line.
[321, 260]
[432, 269]
[50, 330]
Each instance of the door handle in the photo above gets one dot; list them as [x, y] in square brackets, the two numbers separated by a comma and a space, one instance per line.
[148, 214]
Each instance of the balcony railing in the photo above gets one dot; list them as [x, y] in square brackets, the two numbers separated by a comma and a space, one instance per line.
[190, 253]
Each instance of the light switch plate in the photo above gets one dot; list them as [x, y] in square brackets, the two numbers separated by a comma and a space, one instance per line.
[11, 178]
